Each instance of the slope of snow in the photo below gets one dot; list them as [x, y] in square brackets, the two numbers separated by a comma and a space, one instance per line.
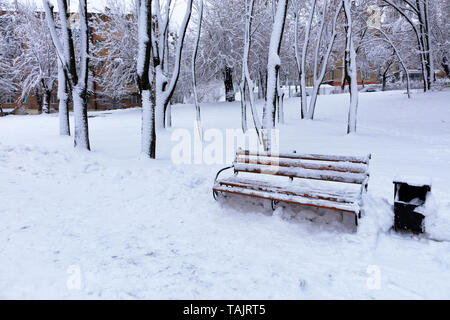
[150, 229]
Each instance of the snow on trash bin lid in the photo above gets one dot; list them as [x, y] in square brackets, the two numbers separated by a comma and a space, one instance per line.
[416, 181]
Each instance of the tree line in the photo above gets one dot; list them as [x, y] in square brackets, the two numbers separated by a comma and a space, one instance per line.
[253, 47]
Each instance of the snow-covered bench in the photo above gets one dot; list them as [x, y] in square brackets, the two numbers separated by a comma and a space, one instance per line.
[325, 179]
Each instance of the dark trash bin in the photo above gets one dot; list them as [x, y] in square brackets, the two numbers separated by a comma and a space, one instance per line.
[409, 194]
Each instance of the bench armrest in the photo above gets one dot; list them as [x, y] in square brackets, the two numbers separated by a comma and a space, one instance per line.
[220, 171]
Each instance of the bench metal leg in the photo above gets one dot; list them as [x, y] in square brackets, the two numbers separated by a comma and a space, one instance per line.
[356, 219]
[274, 204]
[359, 215]
[215, 195]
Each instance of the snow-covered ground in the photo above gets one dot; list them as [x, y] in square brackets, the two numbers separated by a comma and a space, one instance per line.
[126, 227]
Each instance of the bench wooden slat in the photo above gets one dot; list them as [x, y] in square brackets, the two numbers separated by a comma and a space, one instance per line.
[333, 158]
[258, 186]
[326, 168]
[317, 203]
[350, 167]
[356, 178]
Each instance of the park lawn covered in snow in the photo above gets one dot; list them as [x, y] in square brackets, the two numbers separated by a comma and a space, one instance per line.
[138, 228]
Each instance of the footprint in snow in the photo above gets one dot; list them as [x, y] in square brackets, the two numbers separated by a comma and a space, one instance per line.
[92, 167]
[196, 181]
[302, 284]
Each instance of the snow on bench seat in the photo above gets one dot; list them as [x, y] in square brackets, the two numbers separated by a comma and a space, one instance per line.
[298, 172]
[318, 203]
[328, 170]
[335, 158]
[346, 202]
[346, 196]
[346, 166]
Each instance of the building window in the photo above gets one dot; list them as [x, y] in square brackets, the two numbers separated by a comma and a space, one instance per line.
[134, 99]
[53, 99]
[25, 100]
[8, 100]
[415, 76]
[102, 100]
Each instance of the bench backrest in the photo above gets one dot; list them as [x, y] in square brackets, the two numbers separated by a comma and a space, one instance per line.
[347, 169]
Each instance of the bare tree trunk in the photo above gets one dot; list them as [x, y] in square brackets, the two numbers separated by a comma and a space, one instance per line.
[318, 79]
[168, 106]
[319, 40]
[243, 83]
[281, 108]
[169, 115]
[243, 106]
[423, 40]
[148, 138]
[38, 100]
[165, 87]
[198, 119]
[304, 53]
[429, 40]
[273, 67]
[263, 79]
[228, 82]
[47, 96]
[79, 97]
[384, 78]
[345, 76]
[77, 76]
[80, 90]
[289, 87]
[351, 67]
[299, 65]
[63, 108]
[247, 81]
[419, 36]
[280, 98]
[261, 94]
[446, 66]
[405, 69]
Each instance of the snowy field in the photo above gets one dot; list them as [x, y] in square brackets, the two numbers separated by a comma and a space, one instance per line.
[107, 224]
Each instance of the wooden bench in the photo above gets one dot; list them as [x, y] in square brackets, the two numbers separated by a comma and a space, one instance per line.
[330, 170]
